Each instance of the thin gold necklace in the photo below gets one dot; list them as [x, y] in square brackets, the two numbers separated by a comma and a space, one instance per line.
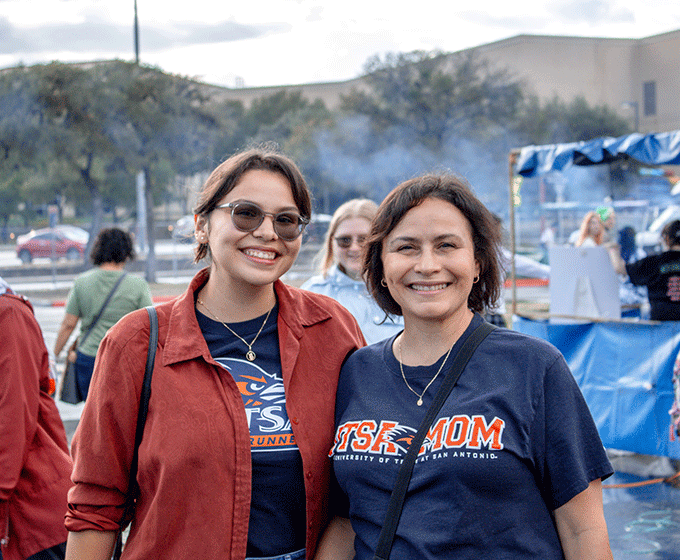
[419, 402]
[250, 355]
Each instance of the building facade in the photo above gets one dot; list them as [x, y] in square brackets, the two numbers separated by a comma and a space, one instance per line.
[638, 78]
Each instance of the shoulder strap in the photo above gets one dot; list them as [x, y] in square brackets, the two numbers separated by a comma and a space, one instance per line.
[133, 488]
[396, 502]
[106, 302]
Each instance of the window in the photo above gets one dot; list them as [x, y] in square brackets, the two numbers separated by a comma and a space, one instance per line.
[649, 96]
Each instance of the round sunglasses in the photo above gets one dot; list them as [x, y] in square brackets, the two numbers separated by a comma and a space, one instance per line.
[248, 216]
[345, 241]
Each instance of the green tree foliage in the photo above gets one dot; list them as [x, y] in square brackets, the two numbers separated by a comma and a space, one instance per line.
[556, 121]
[429, 98]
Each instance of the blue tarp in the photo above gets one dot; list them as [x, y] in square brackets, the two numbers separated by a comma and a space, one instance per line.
[625, 373]
[662, 148]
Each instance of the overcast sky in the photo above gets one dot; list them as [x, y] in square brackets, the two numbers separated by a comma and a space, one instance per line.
[282, 42]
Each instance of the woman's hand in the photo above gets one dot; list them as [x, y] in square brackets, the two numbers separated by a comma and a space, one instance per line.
[581, 526]
[67, 325]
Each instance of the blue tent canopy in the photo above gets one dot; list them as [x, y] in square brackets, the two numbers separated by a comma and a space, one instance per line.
[662, 148]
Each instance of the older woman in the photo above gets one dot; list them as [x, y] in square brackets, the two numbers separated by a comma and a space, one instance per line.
[512, 464]
[341, 259]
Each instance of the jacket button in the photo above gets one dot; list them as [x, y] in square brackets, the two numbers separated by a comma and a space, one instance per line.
[295, 420]
[309, 474]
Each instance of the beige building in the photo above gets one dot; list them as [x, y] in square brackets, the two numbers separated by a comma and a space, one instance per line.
[639, 78]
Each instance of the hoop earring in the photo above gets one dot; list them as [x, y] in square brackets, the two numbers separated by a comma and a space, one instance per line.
[383, 283]
[476, 279]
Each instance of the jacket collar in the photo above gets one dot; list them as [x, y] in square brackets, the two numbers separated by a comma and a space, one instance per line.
[184, 341]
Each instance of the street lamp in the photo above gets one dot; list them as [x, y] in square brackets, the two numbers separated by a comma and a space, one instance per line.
[633, 105]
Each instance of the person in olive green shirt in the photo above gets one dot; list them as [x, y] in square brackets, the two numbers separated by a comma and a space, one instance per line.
[111, 250]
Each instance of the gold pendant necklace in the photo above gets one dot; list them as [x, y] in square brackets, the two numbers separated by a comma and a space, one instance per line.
[250, 355]
[419, 402]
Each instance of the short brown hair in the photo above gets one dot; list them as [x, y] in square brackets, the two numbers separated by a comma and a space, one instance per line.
[226, 175]
[485, 236]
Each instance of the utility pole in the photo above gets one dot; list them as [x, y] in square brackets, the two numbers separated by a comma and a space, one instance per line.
[136, 29]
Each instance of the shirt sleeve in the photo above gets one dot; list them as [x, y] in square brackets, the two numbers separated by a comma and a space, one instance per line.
[20, 363]
[567, 446]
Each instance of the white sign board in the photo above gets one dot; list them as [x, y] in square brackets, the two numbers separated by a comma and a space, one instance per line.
[583, 284]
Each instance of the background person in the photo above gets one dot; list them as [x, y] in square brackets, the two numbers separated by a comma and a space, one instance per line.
[660, 273]
[341, 259]
[591, 232]
[234, 461]
[111, 250]
[35, 466]
[514, 438]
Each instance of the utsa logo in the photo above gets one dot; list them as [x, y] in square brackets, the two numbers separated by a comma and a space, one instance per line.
[393, 439]
[265, 403]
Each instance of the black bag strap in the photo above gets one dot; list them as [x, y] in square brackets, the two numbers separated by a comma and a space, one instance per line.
[106, 302]
[396, 502]
[133, 487]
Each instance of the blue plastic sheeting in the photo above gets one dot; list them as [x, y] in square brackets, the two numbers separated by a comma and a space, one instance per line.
[625, 373]
[662, 148]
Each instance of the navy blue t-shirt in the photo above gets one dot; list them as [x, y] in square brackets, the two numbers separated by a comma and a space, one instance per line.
[514, 441]
[661, 274]
[277, 511]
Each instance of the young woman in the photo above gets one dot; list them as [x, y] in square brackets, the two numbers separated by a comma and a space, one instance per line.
[592, 231]
[511, 466]
[110, 251]
[341, 260]
[234, 460]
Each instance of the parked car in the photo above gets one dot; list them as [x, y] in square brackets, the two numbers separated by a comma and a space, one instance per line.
[58, 242]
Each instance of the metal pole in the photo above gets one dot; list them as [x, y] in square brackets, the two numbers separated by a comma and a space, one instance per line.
[136, 29]
[511, 176]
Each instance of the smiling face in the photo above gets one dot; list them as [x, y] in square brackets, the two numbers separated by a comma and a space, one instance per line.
[429, 263]
[247, 260]
[349, 258]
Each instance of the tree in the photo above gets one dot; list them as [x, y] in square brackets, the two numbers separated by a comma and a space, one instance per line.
[555, 121]
[428, 97]
[168, 129]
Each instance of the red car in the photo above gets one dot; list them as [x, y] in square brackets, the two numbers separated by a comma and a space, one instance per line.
[58, 242]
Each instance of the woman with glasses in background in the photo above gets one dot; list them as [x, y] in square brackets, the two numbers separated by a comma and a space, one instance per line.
[234, 460]
[340, 262]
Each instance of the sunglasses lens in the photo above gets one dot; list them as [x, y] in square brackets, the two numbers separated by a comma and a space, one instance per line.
[247, 217]
[287, 225]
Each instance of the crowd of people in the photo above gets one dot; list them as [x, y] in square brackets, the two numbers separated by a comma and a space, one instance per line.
[283, 414]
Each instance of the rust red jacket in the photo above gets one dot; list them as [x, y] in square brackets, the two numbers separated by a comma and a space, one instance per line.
[194, 460]
[35, 466]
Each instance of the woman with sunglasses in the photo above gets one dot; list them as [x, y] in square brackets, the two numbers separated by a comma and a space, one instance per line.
[340, 262]
[234, 460]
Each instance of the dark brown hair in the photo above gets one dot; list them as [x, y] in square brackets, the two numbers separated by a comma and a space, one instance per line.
[226, 176]
[671, 233]
[112, 245]
[485, 236]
